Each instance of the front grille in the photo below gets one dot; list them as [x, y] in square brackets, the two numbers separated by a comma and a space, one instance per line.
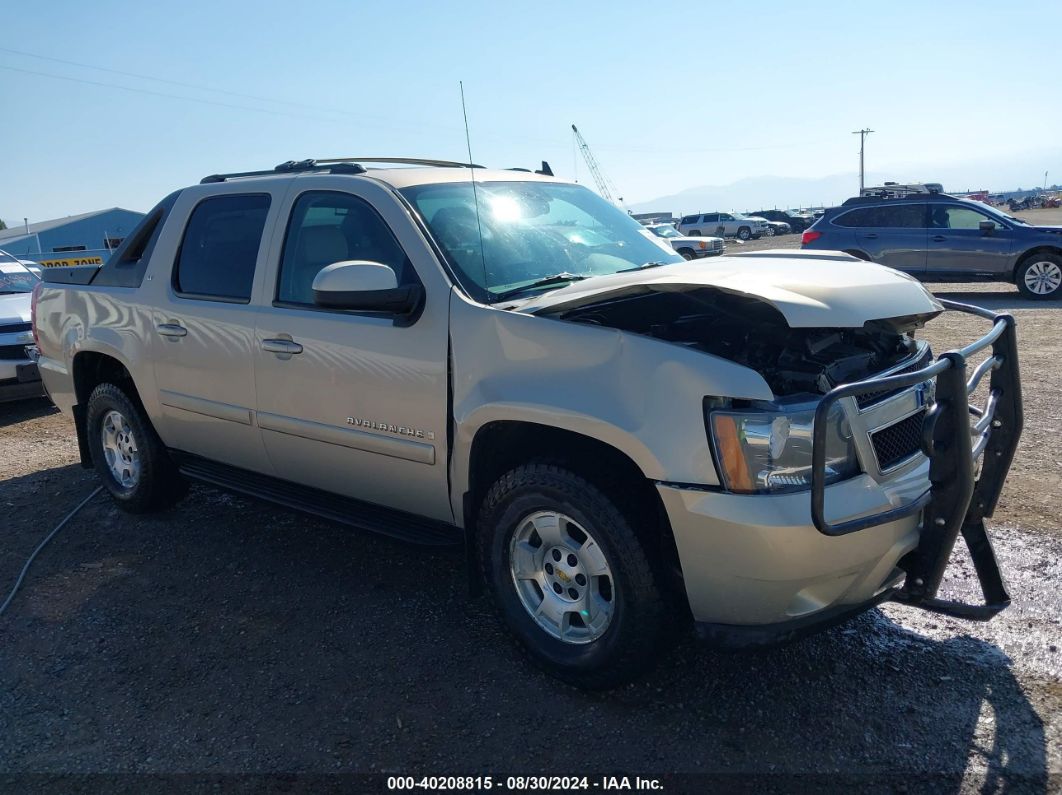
[870, 398]
[13, 328]
[899, 441]
[13, 352]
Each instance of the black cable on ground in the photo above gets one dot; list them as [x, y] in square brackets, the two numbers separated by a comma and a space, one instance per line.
[40, 546]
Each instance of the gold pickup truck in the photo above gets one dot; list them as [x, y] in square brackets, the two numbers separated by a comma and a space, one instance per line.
[624, 441]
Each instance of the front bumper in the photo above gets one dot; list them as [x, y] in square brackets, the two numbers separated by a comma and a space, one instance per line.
[19, 379]
[781, 564]
[709, 252]
[757, 559]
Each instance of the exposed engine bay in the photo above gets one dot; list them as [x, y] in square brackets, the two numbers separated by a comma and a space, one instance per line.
[751, 332]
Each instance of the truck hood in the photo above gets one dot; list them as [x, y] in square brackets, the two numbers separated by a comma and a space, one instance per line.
[15, 308]
[810, 289]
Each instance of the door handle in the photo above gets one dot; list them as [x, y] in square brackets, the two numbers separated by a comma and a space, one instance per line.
[939, 238]
[171, 330]
[281, 346]
[871, 236]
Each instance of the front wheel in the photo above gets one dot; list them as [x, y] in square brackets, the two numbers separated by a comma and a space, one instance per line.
[687, 254]
[744, 233]
[569, 577]
[1040, 277]
[770, 231]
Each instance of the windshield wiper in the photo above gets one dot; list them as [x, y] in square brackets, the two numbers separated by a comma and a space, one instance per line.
[643, 266]
[546, 281]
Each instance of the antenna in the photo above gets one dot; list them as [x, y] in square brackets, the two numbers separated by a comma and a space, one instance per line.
[475, 194]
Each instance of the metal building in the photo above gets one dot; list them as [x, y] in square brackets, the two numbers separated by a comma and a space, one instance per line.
[85, 239]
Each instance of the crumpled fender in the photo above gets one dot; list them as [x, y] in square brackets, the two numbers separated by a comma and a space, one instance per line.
[642, 396]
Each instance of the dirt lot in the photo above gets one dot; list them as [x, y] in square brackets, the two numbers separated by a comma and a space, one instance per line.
[230, 637]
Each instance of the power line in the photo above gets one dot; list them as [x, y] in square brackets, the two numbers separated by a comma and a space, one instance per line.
[169, 82]
[149, 92]
[389, 121]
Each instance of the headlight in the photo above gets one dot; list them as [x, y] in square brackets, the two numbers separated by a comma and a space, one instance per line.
[762, 451]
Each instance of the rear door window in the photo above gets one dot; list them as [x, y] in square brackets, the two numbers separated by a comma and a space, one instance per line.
[220, 247]
[900, 216]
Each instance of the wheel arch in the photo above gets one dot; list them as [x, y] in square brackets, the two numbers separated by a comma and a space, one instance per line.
[1032, 252]
[502, 445]
[89, 369]
[858, 254]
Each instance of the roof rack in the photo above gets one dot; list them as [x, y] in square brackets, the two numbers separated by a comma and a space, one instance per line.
[352, 165]
[926, 196]
[404, 161]
[290, 167]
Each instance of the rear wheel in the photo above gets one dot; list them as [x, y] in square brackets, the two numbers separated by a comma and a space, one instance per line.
[1040, 277]
[695, 233]
[127, 453]
[744, 233]
[569, 577]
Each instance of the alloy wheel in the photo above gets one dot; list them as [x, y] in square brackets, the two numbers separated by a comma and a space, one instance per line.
[562, 577]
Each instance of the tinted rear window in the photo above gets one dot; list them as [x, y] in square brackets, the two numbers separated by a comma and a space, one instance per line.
[902, 216]
[220, 247]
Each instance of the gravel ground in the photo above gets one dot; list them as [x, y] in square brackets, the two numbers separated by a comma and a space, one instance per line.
[230, 637]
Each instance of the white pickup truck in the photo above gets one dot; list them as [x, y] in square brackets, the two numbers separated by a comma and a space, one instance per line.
[622, 440]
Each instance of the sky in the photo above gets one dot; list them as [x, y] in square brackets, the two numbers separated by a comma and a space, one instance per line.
[669, 97]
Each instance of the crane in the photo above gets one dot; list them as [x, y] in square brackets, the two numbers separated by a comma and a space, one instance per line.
[605, 186]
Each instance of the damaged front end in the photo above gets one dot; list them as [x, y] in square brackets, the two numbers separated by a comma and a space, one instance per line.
[750, 331]
[861, 399]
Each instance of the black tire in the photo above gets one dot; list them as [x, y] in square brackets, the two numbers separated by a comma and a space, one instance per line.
[158, 484]
[687, 254]
[634, 636]
[695, 233]
[1040, 262]
[770, 231]
[744, 233]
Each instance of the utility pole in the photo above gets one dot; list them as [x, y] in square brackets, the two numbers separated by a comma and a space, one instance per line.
[862, 138]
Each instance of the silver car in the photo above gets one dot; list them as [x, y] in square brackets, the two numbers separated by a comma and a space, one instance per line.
[724, 225]
[19, 377]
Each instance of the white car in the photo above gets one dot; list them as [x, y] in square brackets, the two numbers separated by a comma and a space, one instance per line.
[19, 377]
[688, 247]
[725, 224]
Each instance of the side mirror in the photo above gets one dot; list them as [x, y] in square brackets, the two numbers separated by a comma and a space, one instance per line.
[987, 227]
[365, 286]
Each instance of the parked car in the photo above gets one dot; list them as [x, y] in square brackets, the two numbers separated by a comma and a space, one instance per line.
[774, 227]
[797, 222]
[688, 247]
[942, 238]
[722, 225]
[19, 377]
[619, 438]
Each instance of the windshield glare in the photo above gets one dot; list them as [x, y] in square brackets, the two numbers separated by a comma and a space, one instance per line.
[16, 278]
[531, 231]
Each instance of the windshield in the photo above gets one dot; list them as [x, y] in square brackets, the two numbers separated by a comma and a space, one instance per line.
[15, 278]
[532, 232]
[664, 231]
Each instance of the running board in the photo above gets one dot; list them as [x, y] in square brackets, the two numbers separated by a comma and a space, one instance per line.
[345, 510]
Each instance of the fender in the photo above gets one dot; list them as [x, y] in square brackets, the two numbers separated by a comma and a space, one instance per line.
[641, 396]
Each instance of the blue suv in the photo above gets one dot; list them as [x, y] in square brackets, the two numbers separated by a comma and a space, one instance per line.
[941, 238]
